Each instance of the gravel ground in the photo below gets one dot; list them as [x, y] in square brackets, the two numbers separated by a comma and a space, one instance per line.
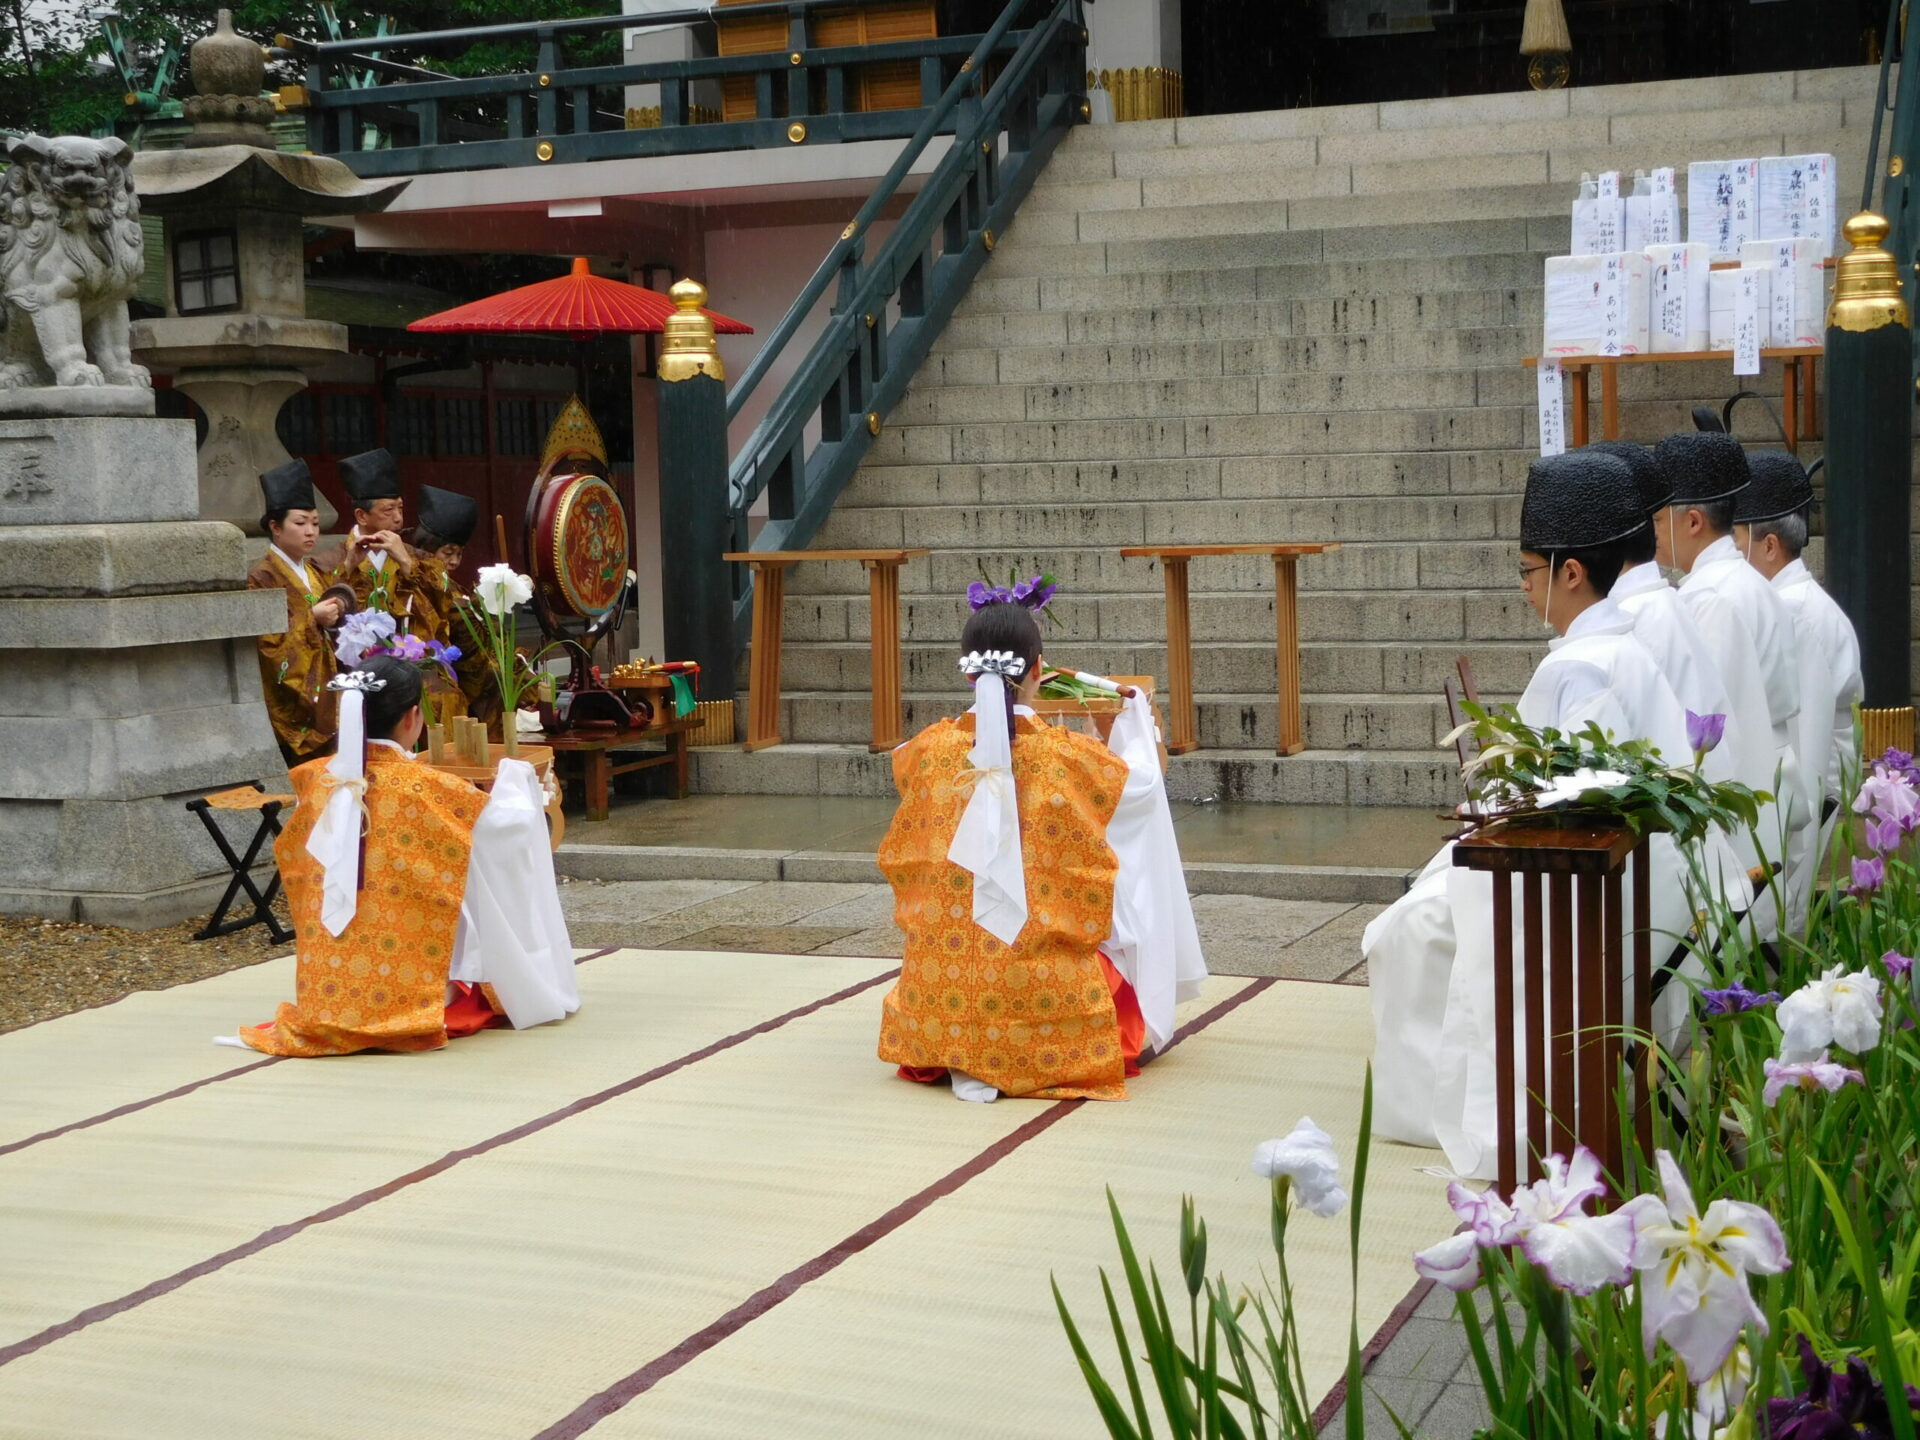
[49, 967]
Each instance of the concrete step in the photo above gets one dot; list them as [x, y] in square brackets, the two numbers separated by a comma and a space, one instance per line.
[1444, 274]
[1185, 360]
[975, 529]
[1334, 722]
[1344, 667]
[1325, 615]
[1396, 238]
[1316, 389]
[1072, 482]
[1314, 777]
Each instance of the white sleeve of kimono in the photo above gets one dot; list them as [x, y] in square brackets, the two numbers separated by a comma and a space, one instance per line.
[1154, 943]
[512, 935]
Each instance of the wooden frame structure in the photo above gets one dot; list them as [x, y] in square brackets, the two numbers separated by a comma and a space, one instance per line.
[1182, 729]
[1800, 384]
[1572, 971]
[769, 568]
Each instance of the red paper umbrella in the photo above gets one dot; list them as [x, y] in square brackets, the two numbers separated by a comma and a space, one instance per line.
[580, 303]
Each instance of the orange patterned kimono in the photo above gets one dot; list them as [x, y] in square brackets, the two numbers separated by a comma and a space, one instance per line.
[382, 983]
[1037, 1018]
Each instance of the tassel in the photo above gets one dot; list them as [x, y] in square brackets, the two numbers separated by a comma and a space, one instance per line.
[1544, 30]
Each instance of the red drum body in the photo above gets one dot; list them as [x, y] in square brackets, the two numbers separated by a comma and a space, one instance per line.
[578, 553]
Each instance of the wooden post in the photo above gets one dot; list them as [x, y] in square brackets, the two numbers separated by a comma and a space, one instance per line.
[1286, 612]
[1508, 1173]
[1579, 374]
[763, 681]
[883, 590]
[1609, 402]
[1870, 461]
[694, 523]
[1180, 715]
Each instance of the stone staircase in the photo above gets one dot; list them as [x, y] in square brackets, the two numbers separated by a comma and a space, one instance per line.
[1296, 325]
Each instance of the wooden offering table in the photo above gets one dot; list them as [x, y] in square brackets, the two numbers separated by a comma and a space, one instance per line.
[769, 569]
[1573, 949]
[591, 757]
[1173, 560]
[1801, 400]
[1102, 712]
[481, 777]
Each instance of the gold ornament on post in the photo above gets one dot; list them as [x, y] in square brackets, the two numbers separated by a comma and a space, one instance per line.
[1867, 294]
[1547, 44]
[688, 347]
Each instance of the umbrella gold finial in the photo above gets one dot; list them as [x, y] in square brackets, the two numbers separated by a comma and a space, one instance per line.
[689, 347]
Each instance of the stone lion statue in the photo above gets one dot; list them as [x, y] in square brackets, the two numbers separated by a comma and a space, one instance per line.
[71, 254]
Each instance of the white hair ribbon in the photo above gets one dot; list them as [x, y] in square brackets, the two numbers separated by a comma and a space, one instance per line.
[987, 842]
[335, 841]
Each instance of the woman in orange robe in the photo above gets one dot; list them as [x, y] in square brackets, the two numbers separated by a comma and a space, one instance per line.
[1004, 987]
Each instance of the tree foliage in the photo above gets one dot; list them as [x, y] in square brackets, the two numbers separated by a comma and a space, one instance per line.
[57, 74]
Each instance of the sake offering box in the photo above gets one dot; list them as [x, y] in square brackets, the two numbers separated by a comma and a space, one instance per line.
[1723, 205]
[1597, 305]
[1798, 288]
[1798, 199]
[1678, 281]
[1723, 313]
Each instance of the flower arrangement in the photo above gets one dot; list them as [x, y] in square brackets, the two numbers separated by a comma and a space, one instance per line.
[1751, 1274]
[1522, 773]
[434, 659]
[1035, 592]
[498, 591]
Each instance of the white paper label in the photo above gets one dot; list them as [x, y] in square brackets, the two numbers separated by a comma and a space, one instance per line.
[1613, 305]
[1786, 276]
[1663, 181]
[1746, 324]
[1553, 419]
[1670, 300]
[1607, 187]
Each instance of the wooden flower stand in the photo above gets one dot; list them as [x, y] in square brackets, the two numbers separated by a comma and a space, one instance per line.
[1572, 969]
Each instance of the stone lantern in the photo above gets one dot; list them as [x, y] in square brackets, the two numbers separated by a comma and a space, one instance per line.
[236, 337]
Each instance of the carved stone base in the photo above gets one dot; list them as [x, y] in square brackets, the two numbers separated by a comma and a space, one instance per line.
[53, 402]
[100, 471]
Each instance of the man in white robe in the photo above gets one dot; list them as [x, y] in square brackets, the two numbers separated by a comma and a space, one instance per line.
[1751, 636]
[1770, 528]
[1430, 955]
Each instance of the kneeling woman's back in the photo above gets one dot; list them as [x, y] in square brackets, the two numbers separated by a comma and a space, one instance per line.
[1003, 981]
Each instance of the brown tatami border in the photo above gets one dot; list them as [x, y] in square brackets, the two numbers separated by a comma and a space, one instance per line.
[133, 1106]
[267, 1239]
[591, 1411]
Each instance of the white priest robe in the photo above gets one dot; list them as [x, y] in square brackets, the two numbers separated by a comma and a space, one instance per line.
[1430, 955]
[512, 935]
[1830, 684]
[1751, 636]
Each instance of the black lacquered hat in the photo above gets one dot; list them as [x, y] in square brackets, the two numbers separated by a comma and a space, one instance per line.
[1703, 466]
[1649, 475]
[1579, 500]
[1780, 487]
[369, 476]
[289, 487]
[448, 514]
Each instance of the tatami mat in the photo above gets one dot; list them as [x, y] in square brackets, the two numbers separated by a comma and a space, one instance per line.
[366, 1247]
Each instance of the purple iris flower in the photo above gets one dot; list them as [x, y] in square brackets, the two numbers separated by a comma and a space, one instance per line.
[1704, 731]
[1834, 1406]
[1868, 876]
[1035, 593]
[1883, 835]
[1896, 963]
[1737, 999]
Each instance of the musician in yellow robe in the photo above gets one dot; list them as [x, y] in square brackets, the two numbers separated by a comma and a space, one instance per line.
[424, 909]
[1004, 871]
[372, 558]
[297, 663]
[439, 541]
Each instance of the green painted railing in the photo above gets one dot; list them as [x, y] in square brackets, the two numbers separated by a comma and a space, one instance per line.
[890, 306]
